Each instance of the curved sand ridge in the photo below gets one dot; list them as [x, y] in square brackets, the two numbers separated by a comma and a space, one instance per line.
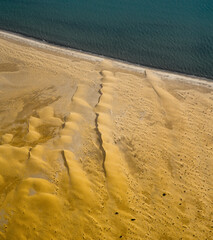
[112, 157]
[167, 101]
[96, 149]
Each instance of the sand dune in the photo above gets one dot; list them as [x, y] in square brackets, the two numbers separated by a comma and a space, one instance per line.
[92, 148]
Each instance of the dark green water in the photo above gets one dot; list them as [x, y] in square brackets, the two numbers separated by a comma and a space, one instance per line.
[175, 35]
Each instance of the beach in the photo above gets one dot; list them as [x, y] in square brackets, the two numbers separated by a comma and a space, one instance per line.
[94, 148]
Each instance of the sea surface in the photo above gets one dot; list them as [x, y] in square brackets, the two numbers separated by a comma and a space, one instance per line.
[174, 35]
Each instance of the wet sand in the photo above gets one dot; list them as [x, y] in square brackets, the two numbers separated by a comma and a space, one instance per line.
[92, 148]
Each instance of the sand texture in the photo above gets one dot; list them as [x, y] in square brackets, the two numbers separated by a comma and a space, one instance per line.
[95, 149]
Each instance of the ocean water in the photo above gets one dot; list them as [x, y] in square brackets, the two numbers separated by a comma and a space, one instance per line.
[174, 35]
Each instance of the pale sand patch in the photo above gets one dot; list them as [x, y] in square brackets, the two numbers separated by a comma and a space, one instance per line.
[93, 148]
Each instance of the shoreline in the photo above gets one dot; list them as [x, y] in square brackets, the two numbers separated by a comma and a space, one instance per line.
[67, 51]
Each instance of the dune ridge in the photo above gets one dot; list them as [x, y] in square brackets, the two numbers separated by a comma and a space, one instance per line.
[91, 148]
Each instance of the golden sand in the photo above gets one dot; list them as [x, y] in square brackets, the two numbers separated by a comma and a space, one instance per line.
[98, 149]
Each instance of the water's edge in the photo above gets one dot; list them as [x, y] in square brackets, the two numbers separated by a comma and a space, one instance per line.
[57, 48]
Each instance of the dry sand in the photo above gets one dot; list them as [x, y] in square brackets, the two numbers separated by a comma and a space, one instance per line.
[97, 149]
